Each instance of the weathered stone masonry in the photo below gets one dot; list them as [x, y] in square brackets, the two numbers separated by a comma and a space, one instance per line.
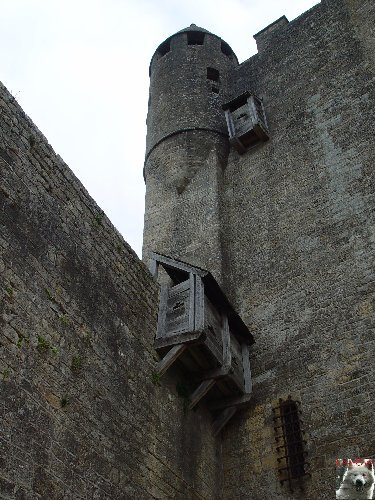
[81, 416]
[287, 229]
[294, 227]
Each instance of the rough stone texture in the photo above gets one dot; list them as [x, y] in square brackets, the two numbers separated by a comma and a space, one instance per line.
[293, 236]
[81, 416]
[287, 229]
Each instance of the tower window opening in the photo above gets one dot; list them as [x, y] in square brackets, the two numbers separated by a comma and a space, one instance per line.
[164, 48]
[215, 89]
[195, 38]
[213, 74]
[226, 50]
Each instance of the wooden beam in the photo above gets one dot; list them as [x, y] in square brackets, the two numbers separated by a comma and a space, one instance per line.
[225, 334]
[199, 303]
[225, 403]
[170, 358]
[179, 338]
[216, 373]
[201, 391]
[223, 419]
[191, 282]
[153, 267]
[160, 333]
[246, 369]
[176, 264]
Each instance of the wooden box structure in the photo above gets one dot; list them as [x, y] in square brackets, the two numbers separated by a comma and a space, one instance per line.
[246, 121]
[199, 328]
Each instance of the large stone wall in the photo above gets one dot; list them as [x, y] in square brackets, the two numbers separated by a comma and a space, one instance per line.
[82, 415]
[299, 226]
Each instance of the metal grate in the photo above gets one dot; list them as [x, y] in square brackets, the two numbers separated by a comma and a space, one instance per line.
[290, 443]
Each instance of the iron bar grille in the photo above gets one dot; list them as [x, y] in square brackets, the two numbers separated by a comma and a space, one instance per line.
[289, 442]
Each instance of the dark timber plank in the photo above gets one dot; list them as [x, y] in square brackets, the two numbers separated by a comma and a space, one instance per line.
[216, 373]
[199, 303]
[162, 311]
[200, 392]
[246, 369]
[227, 355]
[237, 401]
[170, 358]
[153, 267]
[191, 302]
[168, 262]
[179, 338]
[223, 419]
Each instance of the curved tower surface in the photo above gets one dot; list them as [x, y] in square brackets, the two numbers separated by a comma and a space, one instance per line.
[187, 147]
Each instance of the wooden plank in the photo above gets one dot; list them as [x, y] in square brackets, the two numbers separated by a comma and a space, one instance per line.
[230, 125]
[178, 309]
[223, 419]
[174, 264]
[176, 289]
[162, 311]
[225, 403]
[199, 304]
[214, 347]
[153, 267]
[227, 355]
[191, 302]
[179, 338]
[252, 111]
[200, 392]
[170, 358]
[248, 384]
[216, 373]
[237, 363]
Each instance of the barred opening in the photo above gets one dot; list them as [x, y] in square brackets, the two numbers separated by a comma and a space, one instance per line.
[290, 443]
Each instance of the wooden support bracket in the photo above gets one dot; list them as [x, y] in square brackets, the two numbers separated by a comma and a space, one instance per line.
[225, 403]
[216, 373]
[223, 419]
[170, 358]
[178, 339]
[201, 391]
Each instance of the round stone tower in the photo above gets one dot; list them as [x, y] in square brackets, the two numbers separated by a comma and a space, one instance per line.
[187, 147]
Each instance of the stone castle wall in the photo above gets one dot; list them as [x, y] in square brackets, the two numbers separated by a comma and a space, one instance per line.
[294, 236]
[287, 229]
[82, 415]
[299, 225]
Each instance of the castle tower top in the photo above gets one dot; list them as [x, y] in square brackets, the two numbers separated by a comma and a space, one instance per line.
[188, 80]
[195, 36]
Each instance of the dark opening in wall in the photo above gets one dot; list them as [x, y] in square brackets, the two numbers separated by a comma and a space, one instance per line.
[195, 38]
[290, 443]
[164, 48]
[213, 74]
[226, 50]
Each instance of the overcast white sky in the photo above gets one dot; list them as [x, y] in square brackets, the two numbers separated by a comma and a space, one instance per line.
[79, 69]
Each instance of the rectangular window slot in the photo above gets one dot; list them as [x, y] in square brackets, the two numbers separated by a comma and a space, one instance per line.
[213, 74]
[195, 38]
